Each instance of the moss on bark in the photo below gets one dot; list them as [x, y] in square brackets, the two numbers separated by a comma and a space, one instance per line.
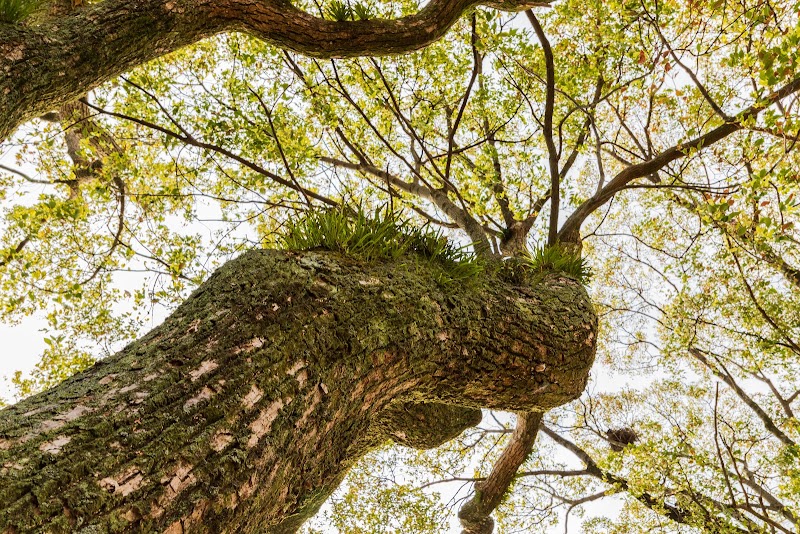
[244, 410]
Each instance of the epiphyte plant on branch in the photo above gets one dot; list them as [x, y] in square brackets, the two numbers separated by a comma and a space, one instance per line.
[12, 11]
[646, 149]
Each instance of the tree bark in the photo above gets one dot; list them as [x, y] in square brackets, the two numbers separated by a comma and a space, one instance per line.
[244, 410]
[48, 64]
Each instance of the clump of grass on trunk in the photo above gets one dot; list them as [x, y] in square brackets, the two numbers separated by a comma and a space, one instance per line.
[382, 235]
[555, 258]
[12, 11]
[526, 268]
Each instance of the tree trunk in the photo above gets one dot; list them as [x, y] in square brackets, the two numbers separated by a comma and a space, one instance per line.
[244, 410]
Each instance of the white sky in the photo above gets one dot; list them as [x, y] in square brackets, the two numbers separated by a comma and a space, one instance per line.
[20, 348]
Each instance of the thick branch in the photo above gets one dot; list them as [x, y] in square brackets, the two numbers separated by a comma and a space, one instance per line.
[46, 65]
[547, 127]
[244, 410]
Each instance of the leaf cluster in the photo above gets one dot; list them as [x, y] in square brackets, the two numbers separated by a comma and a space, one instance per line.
[382, 235]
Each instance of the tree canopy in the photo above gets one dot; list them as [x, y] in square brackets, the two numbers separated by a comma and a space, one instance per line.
[645, 147]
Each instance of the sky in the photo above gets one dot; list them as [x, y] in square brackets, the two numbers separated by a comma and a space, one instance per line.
[21, 345]
[20, 348]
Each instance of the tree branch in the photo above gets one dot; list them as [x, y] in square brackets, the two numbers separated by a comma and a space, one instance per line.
[475, 513]
[726, 377]
[233, 416]
[646, 168]
[674, 512]
[54, 62]
[461, 217]
[192, 141]
[550, 95]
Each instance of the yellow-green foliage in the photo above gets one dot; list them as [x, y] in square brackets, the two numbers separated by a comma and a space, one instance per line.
[382, 235]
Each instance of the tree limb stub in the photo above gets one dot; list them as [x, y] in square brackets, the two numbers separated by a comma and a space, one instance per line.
[244, 410]
[46, 65]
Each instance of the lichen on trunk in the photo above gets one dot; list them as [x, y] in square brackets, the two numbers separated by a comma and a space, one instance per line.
[244, 410]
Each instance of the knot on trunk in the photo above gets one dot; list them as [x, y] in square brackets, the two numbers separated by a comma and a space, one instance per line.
[473, 519]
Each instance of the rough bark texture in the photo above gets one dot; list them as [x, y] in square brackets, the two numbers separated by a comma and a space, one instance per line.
[244, 410]
[45, 65]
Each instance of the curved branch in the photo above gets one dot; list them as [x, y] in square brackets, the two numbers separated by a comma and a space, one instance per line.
[244, 409]
[62, 58]
[461, 217]
[192, 141]
[726, 377]
[547, 130]
[779, 329]
[13, 252]
[24, 176]
[674, 512]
